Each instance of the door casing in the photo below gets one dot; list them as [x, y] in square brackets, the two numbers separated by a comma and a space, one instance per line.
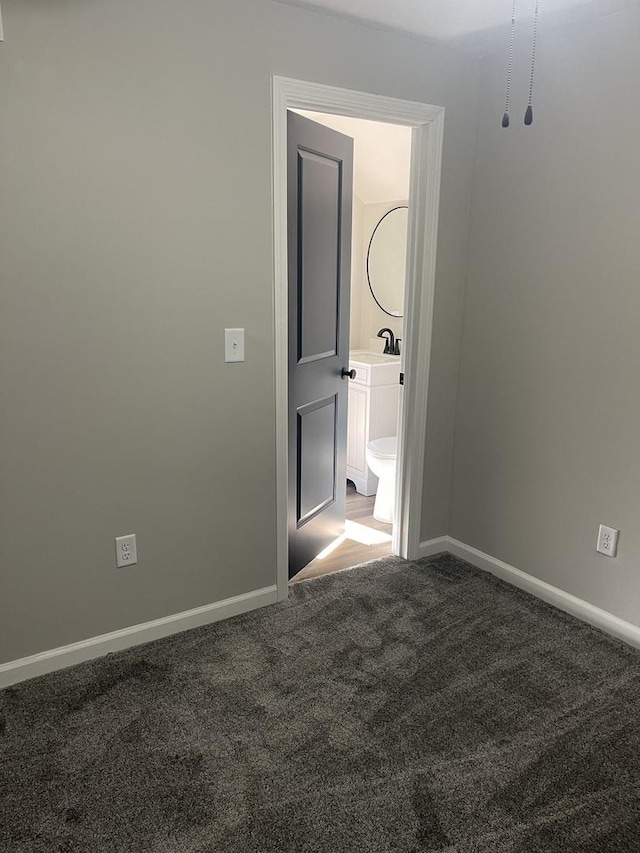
[427, 122]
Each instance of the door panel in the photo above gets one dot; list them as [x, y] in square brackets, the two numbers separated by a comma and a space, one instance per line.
[319, 255]
[317, 447]
[319, 187]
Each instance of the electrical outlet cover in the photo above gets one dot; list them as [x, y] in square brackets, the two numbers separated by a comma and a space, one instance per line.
[607, 541]
[126, 551]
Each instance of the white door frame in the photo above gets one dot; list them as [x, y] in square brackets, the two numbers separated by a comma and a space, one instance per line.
[424, 199]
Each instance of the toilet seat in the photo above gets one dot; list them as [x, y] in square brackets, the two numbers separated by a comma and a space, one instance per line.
[384, 448]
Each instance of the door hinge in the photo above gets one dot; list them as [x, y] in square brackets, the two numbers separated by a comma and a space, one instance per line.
[402, 378]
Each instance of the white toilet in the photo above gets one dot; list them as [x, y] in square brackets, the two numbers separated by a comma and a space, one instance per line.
[381, 458]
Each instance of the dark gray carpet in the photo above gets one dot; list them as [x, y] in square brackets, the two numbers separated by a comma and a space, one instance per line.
[398, 707]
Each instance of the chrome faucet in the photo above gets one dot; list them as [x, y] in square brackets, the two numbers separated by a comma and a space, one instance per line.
[391, 343]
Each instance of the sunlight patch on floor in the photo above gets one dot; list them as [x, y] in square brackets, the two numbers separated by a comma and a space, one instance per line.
[365, 535]
[356, 533]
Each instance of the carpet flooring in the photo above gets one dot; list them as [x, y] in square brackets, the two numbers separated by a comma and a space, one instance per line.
[397, 707]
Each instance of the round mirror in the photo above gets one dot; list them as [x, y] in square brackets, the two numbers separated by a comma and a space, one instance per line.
[386, 261]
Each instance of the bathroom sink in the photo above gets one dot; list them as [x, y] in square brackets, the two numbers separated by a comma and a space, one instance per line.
[365, 356]
[374, 368]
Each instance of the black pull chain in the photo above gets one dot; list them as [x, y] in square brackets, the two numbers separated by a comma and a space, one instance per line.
[505, 117]
[528, 116]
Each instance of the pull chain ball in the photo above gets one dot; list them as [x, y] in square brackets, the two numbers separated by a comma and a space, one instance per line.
[505, 117]
[528, 116]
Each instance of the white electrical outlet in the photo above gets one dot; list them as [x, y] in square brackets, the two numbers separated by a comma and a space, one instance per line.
[607, 541]
[126, 551]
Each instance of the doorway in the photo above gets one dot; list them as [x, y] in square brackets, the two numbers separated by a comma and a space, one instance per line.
[427, 123]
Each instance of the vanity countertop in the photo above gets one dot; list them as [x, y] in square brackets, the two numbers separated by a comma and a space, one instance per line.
[374, 368]
[366, 356]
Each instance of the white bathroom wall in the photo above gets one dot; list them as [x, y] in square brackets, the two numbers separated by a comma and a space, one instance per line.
[357, 282]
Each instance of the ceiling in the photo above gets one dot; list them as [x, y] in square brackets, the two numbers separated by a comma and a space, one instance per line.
[381, 156]
[444, 20]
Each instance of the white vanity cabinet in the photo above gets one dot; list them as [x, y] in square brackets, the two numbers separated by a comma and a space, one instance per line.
[373, 411]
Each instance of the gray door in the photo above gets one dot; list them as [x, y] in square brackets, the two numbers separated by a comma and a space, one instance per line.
[320, 187]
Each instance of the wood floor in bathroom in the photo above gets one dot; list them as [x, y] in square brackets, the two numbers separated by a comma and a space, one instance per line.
[352, 552]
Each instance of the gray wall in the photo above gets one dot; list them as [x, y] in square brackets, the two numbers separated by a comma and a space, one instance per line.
[135, 223]
[548, 423]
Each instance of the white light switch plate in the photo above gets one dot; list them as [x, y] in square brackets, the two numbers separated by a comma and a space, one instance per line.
[234, 344]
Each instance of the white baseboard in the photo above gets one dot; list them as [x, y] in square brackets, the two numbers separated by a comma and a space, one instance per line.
[95, 647]
[623, 630]
[433, 546]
